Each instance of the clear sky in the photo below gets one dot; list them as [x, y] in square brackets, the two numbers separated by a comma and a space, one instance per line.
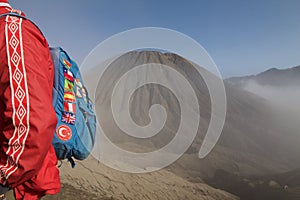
[242, 37]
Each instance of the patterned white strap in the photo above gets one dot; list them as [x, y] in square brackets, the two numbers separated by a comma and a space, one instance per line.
[5, 5]
[19, 95]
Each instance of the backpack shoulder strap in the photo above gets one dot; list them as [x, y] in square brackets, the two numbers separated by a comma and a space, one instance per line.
[13, 14]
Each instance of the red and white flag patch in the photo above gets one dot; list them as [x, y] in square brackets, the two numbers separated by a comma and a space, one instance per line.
[69, 107]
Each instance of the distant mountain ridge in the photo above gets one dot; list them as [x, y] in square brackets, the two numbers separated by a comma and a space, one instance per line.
[271, 77]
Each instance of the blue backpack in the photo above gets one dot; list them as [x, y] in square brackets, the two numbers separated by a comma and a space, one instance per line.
[76, 127]
[75, 132]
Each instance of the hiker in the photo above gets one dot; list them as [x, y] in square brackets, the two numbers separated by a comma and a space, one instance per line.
[28, 120]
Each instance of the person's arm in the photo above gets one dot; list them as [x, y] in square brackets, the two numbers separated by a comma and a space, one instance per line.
[29, 119]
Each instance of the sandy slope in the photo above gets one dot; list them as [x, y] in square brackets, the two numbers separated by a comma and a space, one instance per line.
[102, 182]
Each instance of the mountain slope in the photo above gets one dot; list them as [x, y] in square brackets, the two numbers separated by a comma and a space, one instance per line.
[100, 182]
[251, 143]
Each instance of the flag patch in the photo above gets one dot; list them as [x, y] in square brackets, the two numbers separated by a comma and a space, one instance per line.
[67, 64]
[78, 83]
[78, 94]
[68, 118]
[83, 91]
[69, 96]
[69, 107]
[68, 75]
[69, 86]
[64, 132]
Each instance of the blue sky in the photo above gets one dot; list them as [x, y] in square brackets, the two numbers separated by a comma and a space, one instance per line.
[242, 37]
